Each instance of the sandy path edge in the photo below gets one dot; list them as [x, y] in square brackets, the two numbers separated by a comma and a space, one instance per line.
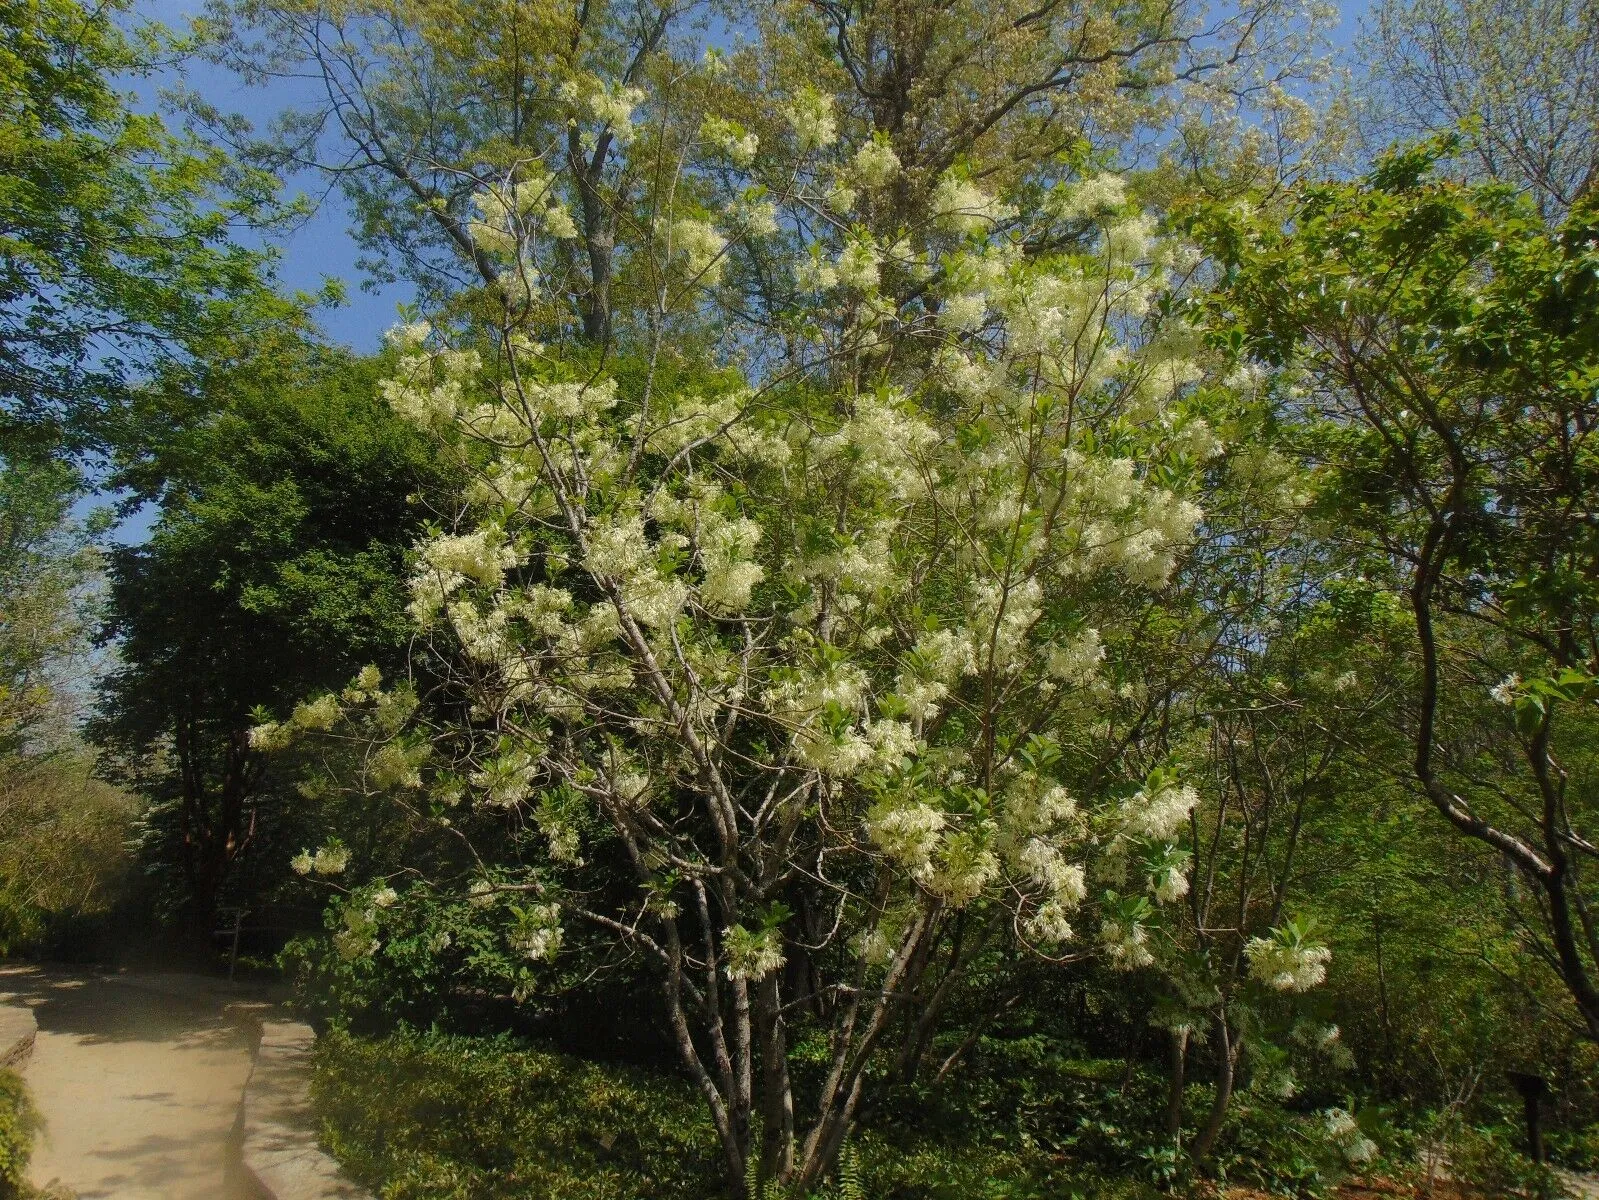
[139, 1085]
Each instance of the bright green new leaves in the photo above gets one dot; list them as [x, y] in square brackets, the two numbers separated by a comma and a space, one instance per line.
[47, 564]
[1441, 344]
[116, 236]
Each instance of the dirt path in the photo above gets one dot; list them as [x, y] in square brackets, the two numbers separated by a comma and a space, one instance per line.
[139, 1088]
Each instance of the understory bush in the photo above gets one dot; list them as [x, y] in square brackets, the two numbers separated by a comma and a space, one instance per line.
[437, 1116]
[64, 866]
[445, 1117]
[448, 1117]
[1491, 1159]
[1577, 1150]
[1034, 1093]
[19, 1124]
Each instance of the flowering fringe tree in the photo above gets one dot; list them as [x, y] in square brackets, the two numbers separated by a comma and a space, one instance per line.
[819, 646]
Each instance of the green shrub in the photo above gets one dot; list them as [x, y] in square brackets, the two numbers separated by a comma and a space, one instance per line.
[1576, 1149]
[64, 864]
[19, 1123]
[1284, 1153]
[1489, 1159]
[912, 1165]
[1099, 1115]
[447, 1117]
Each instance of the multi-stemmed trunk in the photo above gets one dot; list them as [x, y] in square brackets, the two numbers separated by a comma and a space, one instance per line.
[216, 823]
[732, 1038]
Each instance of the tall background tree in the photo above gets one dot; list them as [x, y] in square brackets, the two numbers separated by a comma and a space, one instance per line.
[287, 499]
[1447, 338]
[1519, 76]
[61, 831]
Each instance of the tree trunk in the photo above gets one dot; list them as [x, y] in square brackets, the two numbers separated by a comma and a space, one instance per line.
[1226, 1069]
[1174, 1086]
[777, 1094]
[217, 826]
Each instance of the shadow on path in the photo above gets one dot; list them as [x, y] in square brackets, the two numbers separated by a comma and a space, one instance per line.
[139, 1088]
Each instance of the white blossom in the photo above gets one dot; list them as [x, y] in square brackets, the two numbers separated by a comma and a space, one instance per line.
[752, 955]
[875, 163]
[1063, 882]
[506, 780]
[731, 139]
[1343, 1131]
[267, 737]
[1076, 662]
[857, 265]
[966, 310]
[357, 939]
[841, 753]
[814, 274]
[962, 868]
[1127, 943]
[481, 555]
[907, 831]
[960, 206]
[537, 933]
[1050, 923]
[317, 715]
[1287, 965]
[1157, 817]
[1170, 879]
[331, 859]
[1000, 622]
[700, 248]
[1093, 197]
[608, 103]
[873, 947]
[408, 338]
[759, 220]
[811, 116]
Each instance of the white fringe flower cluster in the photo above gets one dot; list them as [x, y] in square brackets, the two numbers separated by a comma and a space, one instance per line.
[536, 933]
[810, 114]
[751, 955]
[1287, 963]
[856, 583]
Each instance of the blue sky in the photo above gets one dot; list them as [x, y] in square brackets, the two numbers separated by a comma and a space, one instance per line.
[321, 247]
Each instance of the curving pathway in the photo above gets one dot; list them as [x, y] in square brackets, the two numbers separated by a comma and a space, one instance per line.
[138, 1079]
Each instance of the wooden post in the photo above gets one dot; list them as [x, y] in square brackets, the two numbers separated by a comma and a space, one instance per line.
[233, 957]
